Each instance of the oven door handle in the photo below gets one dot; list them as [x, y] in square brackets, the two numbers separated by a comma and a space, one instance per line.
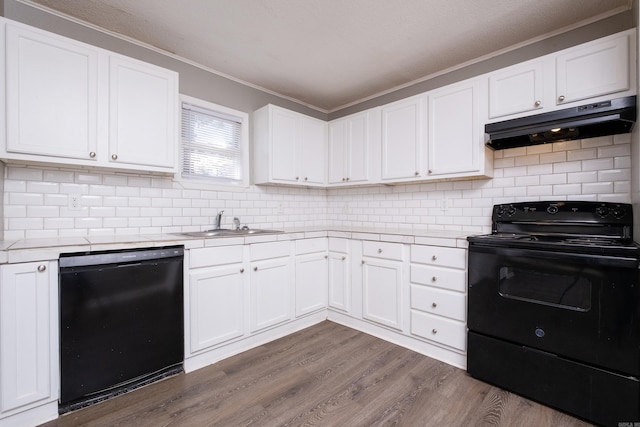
[591, 259]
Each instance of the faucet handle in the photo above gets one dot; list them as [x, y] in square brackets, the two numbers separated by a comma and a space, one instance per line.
[236, 223]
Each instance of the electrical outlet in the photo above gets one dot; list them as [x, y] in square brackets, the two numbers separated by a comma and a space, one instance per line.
[74, 202]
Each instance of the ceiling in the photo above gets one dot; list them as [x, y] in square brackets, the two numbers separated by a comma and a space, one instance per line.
[329, 54]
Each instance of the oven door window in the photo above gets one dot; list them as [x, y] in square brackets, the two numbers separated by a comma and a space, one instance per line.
[571, 291]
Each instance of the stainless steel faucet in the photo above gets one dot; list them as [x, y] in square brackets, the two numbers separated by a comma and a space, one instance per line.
[219, 220]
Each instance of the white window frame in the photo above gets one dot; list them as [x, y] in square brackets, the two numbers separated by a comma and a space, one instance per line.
[196, 183]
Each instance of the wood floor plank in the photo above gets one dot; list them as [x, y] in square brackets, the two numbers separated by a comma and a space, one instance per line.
[325, 375]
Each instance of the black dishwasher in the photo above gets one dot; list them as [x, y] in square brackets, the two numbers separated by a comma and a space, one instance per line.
[121, 322]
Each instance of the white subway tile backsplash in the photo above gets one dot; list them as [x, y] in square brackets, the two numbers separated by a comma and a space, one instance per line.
[36, 198]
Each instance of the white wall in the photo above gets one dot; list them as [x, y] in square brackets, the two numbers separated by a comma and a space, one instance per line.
[36, 198]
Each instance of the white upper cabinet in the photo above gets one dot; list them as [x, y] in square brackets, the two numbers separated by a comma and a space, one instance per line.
[71, 103]
[51, 99]
[143, 113]
[593, 69]
[516, 89]
[591, 72]
[455, 141]
[353, 142]
[289, 148]
[403, 139]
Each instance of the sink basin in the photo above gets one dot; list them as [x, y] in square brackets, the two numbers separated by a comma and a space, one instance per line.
[228, 232]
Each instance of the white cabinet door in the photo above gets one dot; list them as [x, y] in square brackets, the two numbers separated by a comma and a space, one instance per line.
[51, 95]
[349, 149]
[454, 129]
[289, 148]
[313, 142]
[216, 300]
[339, 281]
[285, 149]
[28, 330]
[516, 89]
[403, 136]
[595, 69]
[382, 284]
[143, 114]
[311, 283]
[271, 292]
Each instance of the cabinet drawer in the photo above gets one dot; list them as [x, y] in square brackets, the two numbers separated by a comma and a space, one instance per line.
[382, 250]
[307, 246]
[445, 278]
[220, 255]
[440, 302]
[438, 255]
[439, 329]
[338, 245]
[269, 250]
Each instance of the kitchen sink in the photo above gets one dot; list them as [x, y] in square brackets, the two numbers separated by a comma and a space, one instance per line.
[229, 232]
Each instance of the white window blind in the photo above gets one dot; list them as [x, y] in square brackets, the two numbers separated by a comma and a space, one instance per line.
[211, 145]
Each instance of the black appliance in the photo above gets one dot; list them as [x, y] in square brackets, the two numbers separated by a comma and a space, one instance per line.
[586, 121]
[554, 307]
[121, 322]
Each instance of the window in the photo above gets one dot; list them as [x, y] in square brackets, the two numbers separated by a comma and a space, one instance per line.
[214, 143]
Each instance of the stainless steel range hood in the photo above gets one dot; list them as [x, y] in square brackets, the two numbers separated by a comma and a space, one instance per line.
[586, 121]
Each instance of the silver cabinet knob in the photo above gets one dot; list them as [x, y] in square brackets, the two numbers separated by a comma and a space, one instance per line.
[537, 103]
[344, 257]
[347, 179]
[362, 262]
[430, 171]
[417, 173]
[305, 178]
[92, 154]
[297, 178]
[42, 268]
[255, 268]
[561, 98]
[114, 156]
[344, 179]
[434, 278]
[379, 251]
[242, 270]
[326, 256]
[434, 305]
[434, 331]
[434, 258]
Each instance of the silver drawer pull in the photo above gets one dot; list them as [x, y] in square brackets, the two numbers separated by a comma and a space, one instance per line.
[344, 257]
[42, 268]
[434, 258]
[379, 251]
[434, 331]
[114, 156]
[242, 270]
[434, 278]
[255, 268]
[434, 305]
[92, 154]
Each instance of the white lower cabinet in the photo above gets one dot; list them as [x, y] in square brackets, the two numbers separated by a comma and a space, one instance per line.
[339, 275]
[311, 275]
[271, 289]
[216, 296]
[438, 295]
[29, 373]
[382, 283]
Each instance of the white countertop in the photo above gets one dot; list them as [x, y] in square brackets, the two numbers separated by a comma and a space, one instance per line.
[28, 250]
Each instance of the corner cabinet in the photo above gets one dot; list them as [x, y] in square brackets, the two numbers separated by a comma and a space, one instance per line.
[71, 103]
[29, 373]
[354, 149]
[289, 148]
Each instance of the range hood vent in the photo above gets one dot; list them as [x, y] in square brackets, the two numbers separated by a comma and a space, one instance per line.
[586, 121]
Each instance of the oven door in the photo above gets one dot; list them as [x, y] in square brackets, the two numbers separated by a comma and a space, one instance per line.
[583, 307]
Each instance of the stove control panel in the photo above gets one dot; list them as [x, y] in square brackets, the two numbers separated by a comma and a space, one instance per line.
[565, 212]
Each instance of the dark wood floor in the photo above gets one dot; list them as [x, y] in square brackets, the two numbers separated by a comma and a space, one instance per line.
[327, 375]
